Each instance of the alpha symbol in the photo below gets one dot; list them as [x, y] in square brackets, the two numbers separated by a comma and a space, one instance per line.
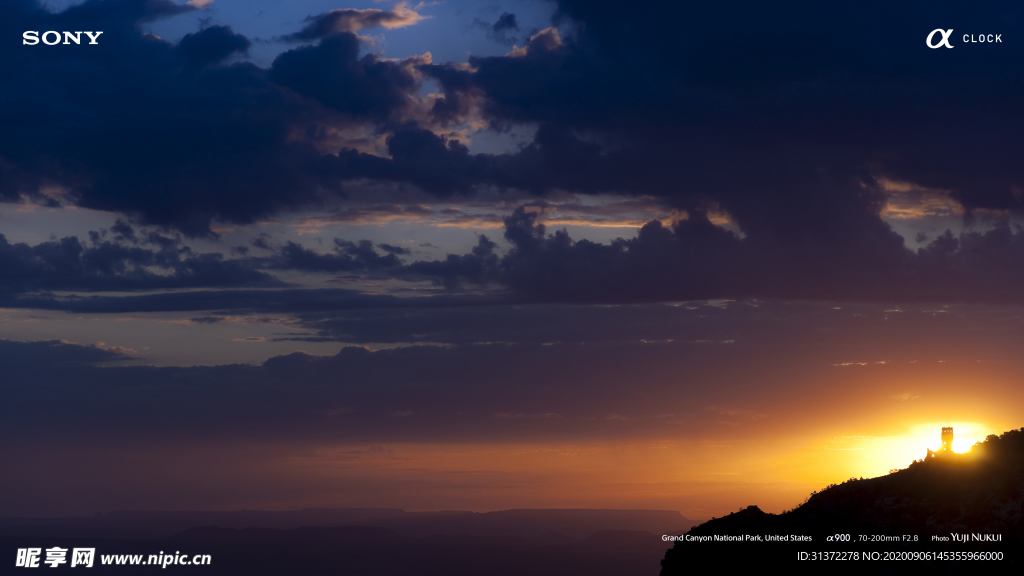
[945, 38]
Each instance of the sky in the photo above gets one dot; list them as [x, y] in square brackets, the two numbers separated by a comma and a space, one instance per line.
[479, 256]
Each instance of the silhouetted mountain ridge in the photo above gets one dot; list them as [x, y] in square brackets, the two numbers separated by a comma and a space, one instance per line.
[980, 492]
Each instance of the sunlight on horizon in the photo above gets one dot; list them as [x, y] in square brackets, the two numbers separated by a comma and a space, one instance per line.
[885, 453]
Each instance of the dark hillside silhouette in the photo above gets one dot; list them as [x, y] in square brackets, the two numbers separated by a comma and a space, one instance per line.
[980, 492]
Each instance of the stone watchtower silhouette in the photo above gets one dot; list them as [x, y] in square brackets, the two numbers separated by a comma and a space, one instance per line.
[947, 443]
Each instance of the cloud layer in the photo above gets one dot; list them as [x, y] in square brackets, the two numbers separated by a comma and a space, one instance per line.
[791, 124]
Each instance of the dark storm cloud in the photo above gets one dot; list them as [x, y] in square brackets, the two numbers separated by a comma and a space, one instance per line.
[69, 264]
[177, 136]
[398, 250]
[503, 30]
[557, 159]
[782, 117]
[26, 356]
[174, 135]
[137, 125]
[122, 259]
[506, 23]
[347, 257]
[479, 266]
[210, 46]
[332, 73]
[695, 259]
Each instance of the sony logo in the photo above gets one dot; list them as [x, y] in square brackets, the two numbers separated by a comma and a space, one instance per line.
[52, 37]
